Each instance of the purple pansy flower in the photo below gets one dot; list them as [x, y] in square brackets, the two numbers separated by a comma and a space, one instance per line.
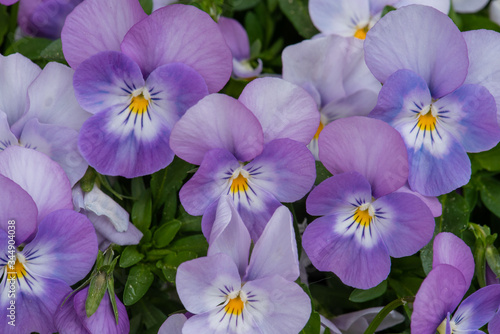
[138, 83]
[252, 148]
[72, 318]
[228, 293]
[111, 221]
[332, 70]
[237, 39]
[365, 220]
[38, 110]
[350, 18]
[424, 99]
[59, 245]
[443, 289]
[44, 18]
[173, 324]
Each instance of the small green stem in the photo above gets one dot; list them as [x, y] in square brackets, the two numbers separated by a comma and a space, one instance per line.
[385, 312]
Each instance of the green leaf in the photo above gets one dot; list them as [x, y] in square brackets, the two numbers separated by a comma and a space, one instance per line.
[489, 160]
[139, 280]
[361, 296]
[194, 243]
[112, 296]
[169, 180]
[171, 262]
[97, 289]
[386, 10]
[385, 312]
[253, 27]
[321, 173]
[54, 52]
[474, 22]
[313, 326]
[29, 47]
[88, 180]
[489, 188]
[166, 233]
[147, 5]
[239, 5]
[4, 23]
[130, 256]
[297, 12]
[493, 259]
[142, 212]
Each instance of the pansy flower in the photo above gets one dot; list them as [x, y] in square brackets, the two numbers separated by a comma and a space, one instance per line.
[228, 293]
[423, 97]
[365, 219]
[237, 39]
[252, 148]
[38, 110]
[332, 70]
[46, 248]
[354, 18]
[445, 286]
[138, 83]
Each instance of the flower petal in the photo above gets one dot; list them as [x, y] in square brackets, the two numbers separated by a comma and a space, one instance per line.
[477, 309]
[229, 235]
[358, 321]
[65, 247]
[183, 34]
[209, 182]
[450, 249]
[466, 6]
[432, 202]
[440, 59]
[275, 253]
[59, 143]
[66, 319]
[203, 283]
[173, 324]
[7, 138]
[368, 146]
[236, 37]
[217, 121]
[336, 192]
[494, 325]
[439, 294]
[43, 179]
[407, 224]
[285, 169]
[16, 74]
[356, 255]
[18, 206]
[283, 109]
[95, 26]
[339, 17]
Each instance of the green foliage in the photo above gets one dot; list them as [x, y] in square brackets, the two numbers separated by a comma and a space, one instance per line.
[139, 280]
[361, 296]
[297, 12]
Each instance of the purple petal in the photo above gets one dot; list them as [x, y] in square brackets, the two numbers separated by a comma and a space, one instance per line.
[209, 182]
[494, 325]
[35, 305]
[8, 2]
[95, 26]
[442, 5]
[466, 6]
[229, 235]
[120, 143]
[285, 169]
[243, 69]
[358, 257]
[217, 121]
[441, 59]
[439, 294]
[7, 138]
[358, 322]
[483, 47]
[103, 320]
[18, 211]
[275, 253]
[67, 320]
[432, 202]
[405, 223]
[283, 109]
[368, 146]
[450, 249]
[104, 80]
[59, 143]
[203, 283]
[65, 247]
[473, 109]
[43, 179]
[478, 309]
[359, 103]
[44, 18]
[236, 37]
[173, 324]
[339, 17]
[337, 192]
[190, 37]
[16, 74]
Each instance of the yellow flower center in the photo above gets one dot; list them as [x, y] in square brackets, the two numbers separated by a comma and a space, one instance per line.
[239, 180]
[17, 271]
[140, 101]
[361, 32]
[235, 306]
[364, 214]
[320, 128]
[427, 118]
